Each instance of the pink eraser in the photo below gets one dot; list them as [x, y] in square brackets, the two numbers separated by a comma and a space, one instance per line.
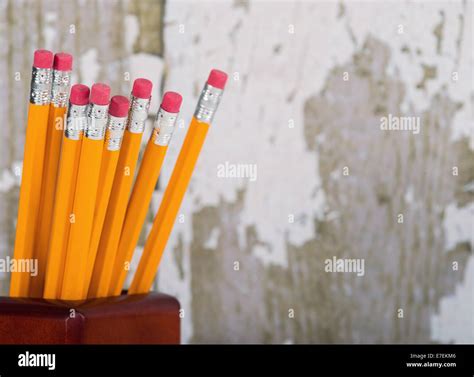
[43, 59]
[171, 102]
[79, 95]
[119, 106]
[142, 88]
[62, 61]
[100, 94]
[217, 79]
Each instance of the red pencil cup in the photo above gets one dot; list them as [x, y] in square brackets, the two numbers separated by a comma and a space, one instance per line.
[127, 319]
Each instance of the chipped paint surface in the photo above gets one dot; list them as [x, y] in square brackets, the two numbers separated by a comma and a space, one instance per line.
[309, 82]
[301, 123]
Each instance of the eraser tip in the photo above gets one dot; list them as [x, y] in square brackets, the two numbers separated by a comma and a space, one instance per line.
[142, 88]
[119, 106]
[100, 94]
[217, 79]
[79, 95]
[62, 61]
[171, 102]
[43, 59]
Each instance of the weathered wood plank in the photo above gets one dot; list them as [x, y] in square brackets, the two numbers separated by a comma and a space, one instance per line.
[292, 113]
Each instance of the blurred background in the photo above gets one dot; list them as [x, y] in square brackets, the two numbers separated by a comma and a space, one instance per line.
[309, 82]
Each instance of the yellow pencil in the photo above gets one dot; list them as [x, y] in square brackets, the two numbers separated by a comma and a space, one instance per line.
[65, 188]
[32, 171]
[174, 193]
[118, 110]
[85, 194]
[62, 66]
[145, 183]
[139, 105]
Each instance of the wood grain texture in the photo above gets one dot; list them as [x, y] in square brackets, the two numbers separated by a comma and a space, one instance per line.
[126, 319]
[291, 112]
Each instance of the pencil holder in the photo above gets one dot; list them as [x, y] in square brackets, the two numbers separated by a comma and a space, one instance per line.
[127, 319]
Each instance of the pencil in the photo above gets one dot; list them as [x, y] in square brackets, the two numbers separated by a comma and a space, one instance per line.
[123, 179]
[118, 111]
[147, 177]
[180, 177]
[65, 187]
[62, 65]
[85, 194]
[31, 177]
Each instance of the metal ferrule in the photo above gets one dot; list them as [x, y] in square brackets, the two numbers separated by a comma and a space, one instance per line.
[76, 121]
[60, 90]
[114, 133]
[41, 80]
[138, 114]
[164, 127]
[208, 103]
[96, 121]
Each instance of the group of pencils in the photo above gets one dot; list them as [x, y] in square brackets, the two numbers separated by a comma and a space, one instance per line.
[81, 205]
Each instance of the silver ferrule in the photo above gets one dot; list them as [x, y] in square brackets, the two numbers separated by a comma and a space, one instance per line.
[208, 103]
[138, 114]
[96, 121]
[41, 80]
[60, 90]
[164, 127]
[114, 133]
[76, 121]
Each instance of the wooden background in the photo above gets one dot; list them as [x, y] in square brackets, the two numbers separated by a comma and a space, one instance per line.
[309, 82]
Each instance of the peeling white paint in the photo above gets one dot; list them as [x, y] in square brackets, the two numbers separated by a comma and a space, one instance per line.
[263, 253]
[258, 109]
[417, 18]
[49, 31]
[455, 321]
[132, 30]
[11, 177]
[211, 242]
[7, 180]
[410, 195]
[89, 67]
[458, 225]
[245, 108]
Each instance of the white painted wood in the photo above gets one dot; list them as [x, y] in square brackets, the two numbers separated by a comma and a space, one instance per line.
[292, 114]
